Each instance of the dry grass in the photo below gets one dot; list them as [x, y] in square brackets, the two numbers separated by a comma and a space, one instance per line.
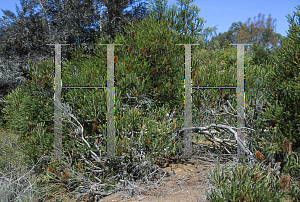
[16, 182]
[11, 159]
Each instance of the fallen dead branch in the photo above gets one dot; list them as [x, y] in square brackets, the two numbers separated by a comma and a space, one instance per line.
[145, 176]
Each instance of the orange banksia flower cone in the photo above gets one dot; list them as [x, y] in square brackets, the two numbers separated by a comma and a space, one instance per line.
[285, 180]
[185, 29]
[49, 169]
[80, 166]
[95, 126]
[244, 197]
[132, 33]
[97, 142]
[287, 147]
[168, 67]
[172, 92]
[65, 175]
[147, 142]
[195, 79]
[258, 156]
[256, 177]
[30, 124]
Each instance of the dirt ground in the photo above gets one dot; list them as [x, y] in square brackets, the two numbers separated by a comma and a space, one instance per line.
[186, 180]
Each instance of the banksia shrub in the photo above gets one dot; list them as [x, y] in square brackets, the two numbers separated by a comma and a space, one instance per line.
[281, 86]
[237, 184]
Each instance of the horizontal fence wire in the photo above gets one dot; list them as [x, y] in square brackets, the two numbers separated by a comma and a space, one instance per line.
[188, 87]
[207, 87]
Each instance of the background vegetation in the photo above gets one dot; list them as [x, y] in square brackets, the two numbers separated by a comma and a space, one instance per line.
[150, 67]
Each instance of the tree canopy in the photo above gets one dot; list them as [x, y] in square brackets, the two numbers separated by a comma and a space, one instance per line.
[72, 22]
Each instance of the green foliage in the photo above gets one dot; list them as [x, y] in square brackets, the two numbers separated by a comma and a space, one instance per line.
[216, 68]
[219, 68]
[152, 136]
[219, 41]
[244, 183]
[145, 66]
[27, 109]
[181, 18]
[283, 87]
[258, 32]
[150, 67]
[132, 76]
[261, 54]
[11, 156]
[147, 54]
[23, 114]
[13, 167]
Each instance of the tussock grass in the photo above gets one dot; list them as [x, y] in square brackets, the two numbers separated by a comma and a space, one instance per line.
[17, 183]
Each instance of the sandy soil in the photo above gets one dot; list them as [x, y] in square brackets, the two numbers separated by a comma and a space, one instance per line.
[185, 181]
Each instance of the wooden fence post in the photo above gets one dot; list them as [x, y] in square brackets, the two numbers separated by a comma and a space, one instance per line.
[57, 103]
[240, 96]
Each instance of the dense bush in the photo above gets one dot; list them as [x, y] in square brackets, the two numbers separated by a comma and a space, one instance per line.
[282, 113]
[23, 114]
[150, 67]
[245, 183]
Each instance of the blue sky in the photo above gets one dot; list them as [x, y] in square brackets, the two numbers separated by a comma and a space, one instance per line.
[224, 12]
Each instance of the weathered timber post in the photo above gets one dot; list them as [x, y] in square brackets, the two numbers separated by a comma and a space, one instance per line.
[240, 95]
[57, 103]
[188, 101]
